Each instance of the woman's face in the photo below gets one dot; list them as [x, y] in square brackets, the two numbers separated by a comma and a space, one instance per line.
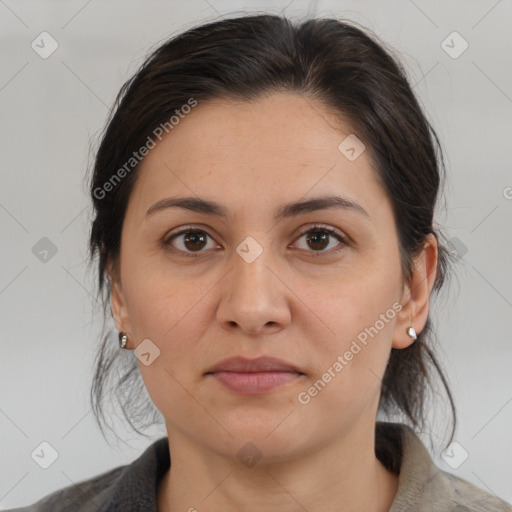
[258, 281]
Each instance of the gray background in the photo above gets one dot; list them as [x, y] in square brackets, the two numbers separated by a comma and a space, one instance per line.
[52, 108]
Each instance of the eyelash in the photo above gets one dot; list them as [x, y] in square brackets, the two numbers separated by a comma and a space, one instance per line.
[310, 229]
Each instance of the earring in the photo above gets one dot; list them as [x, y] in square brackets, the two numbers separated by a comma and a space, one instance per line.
[412, 333]
[123, 339]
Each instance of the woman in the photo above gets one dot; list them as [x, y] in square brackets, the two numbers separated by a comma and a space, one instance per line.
[264, 196]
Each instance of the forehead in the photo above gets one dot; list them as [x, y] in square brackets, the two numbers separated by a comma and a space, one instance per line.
[280, 146]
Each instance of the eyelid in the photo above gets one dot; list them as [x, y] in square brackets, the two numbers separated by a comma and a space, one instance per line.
[324, 227]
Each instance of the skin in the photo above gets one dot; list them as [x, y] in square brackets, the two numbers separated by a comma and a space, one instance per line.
[254, 157]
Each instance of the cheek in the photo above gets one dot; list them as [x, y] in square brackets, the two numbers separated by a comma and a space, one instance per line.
[161, 308]
[173, 311]
[350, 364]
[158, 295]
[360, 308]
[171, 314]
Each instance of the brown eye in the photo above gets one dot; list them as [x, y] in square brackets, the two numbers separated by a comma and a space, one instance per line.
[194, 240]
[189, 241]
[318, 238]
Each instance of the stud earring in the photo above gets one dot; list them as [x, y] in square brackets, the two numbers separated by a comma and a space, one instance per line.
[412, 333]
[123, 339]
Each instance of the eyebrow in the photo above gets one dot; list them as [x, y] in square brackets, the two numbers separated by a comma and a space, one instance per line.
[288, 210]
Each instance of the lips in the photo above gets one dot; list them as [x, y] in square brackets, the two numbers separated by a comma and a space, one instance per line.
[259, 365]
[254, 376]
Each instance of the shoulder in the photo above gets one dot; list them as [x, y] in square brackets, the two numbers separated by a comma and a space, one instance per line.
[422, 486]
[463, 496]
[86, 496]
[129, 488]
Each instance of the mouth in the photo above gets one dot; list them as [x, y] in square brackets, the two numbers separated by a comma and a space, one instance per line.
[254, 376]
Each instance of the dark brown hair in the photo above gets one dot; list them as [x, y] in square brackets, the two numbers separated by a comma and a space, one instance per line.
[328, 60]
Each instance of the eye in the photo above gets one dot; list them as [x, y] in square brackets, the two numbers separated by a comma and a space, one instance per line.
[318, 238]
[190, 242]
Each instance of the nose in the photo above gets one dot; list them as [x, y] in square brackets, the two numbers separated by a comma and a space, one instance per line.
[255, 298]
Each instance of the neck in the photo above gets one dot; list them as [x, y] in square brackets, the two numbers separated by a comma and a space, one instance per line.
[343, 475]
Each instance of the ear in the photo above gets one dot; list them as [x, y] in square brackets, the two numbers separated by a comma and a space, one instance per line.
[416, 294]
[118, 301]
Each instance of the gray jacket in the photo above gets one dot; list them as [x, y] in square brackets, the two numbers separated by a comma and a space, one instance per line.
[422, 487]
